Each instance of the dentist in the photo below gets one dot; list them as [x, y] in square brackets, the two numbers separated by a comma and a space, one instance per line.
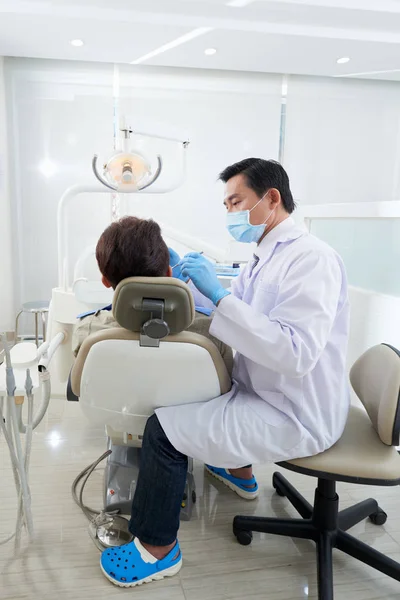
[287, 317]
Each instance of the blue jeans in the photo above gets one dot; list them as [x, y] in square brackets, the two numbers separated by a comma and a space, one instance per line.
[160, 487]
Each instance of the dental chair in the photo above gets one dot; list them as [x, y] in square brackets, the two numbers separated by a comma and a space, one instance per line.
[122, 375]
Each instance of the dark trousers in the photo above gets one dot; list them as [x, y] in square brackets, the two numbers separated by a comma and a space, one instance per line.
[159, 491]
[160, 487]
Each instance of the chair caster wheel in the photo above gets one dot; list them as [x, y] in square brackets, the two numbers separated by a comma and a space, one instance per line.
[379, 518]
[244, 537]
[277, 488]
[194, 497]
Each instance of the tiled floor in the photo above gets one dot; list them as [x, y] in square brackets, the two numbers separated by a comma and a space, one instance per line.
[63, 562]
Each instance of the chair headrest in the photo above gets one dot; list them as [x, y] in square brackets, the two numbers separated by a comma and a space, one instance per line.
[132, 295]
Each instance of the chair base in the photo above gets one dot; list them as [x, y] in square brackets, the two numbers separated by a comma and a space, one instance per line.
[326, 526]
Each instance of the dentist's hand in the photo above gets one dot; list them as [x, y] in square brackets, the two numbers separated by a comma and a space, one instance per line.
[202, 272]
[174, 262]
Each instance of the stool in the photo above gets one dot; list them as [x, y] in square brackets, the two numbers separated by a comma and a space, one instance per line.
[36, 308]
[366, 454]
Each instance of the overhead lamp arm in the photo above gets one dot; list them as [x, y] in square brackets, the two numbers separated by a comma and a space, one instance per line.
[128, 131]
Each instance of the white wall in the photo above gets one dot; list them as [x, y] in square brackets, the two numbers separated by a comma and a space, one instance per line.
[63, 112]
[62, 118]
[6, 279]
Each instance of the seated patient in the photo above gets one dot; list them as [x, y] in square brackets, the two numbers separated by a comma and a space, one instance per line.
[133, 247]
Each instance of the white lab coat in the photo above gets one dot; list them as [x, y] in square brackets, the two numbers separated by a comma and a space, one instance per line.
[288, 319]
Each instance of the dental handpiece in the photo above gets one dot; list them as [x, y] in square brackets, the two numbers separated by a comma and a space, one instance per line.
[173, 267]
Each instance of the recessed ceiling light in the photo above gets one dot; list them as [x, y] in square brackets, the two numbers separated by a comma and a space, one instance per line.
[77, 43]
[343, 60]
[210, 51]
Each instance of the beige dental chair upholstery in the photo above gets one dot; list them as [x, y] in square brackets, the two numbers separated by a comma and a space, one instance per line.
[122, 375]
[366, 454]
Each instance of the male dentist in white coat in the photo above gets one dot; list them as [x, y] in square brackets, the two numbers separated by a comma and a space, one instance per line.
[287, 317]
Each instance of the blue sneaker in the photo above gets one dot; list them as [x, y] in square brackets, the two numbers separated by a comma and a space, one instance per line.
[241, 486]
[131, 564]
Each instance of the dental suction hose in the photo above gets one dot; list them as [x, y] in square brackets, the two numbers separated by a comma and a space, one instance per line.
[106, 529]
[12, 426]
[44, 376]
[28, 447]
[13, 440]
[51, 349]
[13, 456]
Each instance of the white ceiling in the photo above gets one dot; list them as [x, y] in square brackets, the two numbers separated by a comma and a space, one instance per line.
[281, 36]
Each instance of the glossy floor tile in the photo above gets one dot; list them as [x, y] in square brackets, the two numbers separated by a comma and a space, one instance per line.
[62, 564]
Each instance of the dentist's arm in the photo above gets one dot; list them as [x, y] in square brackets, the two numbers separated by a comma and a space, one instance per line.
[292, 337]
[202, 273]
[204, 281]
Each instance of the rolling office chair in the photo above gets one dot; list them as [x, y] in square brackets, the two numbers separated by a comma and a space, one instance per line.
[122, 375]
[366, 454]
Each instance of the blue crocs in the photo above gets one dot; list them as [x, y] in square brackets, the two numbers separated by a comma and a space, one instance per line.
[240, 486]
[131, 564]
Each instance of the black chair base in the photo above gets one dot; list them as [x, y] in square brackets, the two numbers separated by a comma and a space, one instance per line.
[324, 525]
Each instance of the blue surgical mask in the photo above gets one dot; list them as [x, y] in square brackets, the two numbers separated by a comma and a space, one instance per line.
[239, 226]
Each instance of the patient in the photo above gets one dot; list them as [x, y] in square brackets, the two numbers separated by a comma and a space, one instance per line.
[133, 247]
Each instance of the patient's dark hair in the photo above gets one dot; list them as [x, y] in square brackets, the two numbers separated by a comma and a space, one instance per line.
[132, 247]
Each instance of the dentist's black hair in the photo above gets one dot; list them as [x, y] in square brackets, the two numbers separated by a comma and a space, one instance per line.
[262, 175]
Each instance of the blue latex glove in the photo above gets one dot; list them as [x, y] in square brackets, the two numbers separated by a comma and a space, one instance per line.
[174, 262]
[202, 272]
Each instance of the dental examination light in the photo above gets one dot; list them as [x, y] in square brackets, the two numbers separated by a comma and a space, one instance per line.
[128, 170]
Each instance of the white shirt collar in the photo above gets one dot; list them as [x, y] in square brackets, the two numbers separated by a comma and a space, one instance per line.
[286, 230]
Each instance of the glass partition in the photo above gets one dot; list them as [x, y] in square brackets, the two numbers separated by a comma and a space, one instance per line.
[370, 249]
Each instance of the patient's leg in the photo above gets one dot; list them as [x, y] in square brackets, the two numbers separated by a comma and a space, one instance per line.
[159, 491]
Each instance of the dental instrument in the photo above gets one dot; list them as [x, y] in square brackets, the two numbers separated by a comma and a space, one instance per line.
[177, 265]
[19, 459]
[24, 374]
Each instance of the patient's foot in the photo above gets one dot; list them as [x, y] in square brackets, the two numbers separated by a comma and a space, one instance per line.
[159, 552]
[136, 563]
